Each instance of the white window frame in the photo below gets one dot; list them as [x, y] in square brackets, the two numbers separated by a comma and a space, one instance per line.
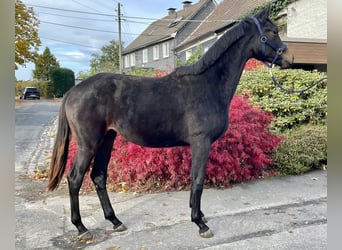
[126, 61]
[156, 52]
[145, 55]
[166, 49]
[132, 59]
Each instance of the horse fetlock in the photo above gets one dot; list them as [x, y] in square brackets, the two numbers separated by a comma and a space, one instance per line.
[204, 230]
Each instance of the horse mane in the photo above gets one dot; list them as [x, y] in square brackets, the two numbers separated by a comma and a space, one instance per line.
[214, 52]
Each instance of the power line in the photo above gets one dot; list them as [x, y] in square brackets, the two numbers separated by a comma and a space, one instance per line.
[91, 29]
[126, 26]
[86, 6]
[77, 27]
[126, 19]
[129, 17]
[61, 41]
[74, 11]
[78, 17]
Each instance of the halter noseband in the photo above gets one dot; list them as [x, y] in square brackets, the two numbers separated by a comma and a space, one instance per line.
[264, 41]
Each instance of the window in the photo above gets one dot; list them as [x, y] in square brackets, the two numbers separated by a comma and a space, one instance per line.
[156, 52]
[188, 54]
[145, 56]
[126, 61]
[132, 57]
[166, 49]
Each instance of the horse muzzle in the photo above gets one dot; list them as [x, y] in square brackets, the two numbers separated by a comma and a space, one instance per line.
[286, 60]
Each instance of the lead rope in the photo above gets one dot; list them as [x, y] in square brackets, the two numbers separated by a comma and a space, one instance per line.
[292, 91]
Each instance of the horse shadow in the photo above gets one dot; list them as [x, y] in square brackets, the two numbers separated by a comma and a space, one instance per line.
[69, 239]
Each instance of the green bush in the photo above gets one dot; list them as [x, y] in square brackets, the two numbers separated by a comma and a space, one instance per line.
[147, 72]
[301, 150]
[290, 110]
[62, 80]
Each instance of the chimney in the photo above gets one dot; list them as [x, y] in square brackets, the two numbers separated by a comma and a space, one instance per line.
[186, 4]
[171, 11]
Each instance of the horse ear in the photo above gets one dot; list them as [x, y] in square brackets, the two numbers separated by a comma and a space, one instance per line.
[264, 13]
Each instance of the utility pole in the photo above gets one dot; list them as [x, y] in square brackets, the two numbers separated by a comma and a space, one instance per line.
[120, 43]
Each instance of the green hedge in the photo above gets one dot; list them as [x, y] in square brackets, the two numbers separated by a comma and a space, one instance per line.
[62, 80]
[301, 150]
[290, 110]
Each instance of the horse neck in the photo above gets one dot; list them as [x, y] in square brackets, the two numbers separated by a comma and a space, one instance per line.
[228, 68]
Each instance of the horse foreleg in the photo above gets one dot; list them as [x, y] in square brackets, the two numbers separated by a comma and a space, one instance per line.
[200, 153]
[99, 178]
[75, 179]
[201, 213]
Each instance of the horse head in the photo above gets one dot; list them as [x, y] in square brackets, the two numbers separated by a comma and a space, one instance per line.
[267, 45]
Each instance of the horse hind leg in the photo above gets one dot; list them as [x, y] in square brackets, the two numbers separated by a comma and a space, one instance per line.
[99, 178]
[75, 179]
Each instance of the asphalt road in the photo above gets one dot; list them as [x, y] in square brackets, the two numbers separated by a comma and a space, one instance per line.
[31, 118]
[33, 139]
[276, 213]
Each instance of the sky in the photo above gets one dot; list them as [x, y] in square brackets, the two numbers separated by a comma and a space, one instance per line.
[75, 29]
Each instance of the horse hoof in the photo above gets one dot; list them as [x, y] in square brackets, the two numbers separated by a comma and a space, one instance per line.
[206, 234]
[86, 236]
[120, 228]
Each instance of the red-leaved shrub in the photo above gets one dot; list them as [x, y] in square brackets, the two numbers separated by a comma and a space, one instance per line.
[241, 154]
[252, 64]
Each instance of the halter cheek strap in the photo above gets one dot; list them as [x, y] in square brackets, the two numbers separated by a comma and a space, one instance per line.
[265, 41]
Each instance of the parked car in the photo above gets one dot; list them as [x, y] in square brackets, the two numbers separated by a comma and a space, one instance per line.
[30, 93]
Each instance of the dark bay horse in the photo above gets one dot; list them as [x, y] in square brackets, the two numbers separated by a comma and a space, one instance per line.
[187, 107]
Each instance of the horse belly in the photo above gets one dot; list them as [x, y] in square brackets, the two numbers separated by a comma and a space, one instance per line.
[154, 139]
[150, 133]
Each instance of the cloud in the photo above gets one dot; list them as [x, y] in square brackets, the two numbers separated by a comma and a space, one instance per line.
[75, 55]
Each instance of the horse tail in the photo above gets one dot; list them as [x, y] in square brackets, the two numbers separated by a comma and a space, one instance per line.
[60, 150]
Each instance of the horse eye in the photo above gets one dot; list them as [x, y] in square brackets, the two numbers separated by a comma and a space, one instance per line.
[274, 31]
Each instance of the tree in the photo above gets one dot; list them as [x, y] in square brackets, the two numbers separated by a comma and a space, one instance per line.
[27, 41]
[83, 74]
[107, 61]
[43, 63]
[193, 58]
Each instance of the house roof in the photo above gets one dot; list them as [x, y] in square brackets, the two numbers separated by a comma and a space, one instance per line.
[166, 27]
[224, 15]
